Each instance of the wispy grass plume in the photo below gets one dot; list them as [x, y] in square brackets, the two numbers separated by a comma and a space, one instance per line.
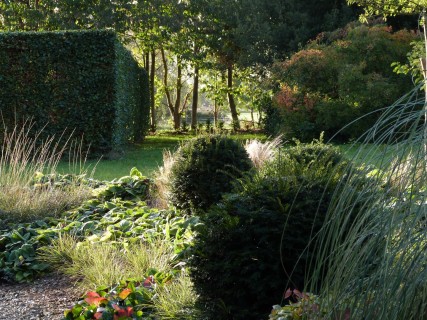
[161, 181]
[24, 156]
[378, 269]
[262, 152]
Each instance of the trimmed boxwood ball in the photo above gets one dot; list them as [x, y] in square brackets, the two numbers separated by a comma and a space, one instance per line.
[204, 169]
[255, 242]
[306, 153]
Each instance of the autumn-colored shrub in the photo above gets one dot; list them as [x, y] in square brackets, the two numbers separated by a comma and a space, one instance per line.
[338, 78]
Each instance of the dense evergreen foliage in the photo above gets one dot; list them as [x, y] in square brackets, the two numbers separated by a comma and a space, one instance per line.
[204, 169]
[256, 242]
[82, 82]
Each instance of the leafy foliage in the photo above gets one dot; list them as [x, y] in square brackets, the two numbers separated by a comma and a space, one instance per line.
[80, 82]
[389, 7]
[137, 299]
[105, 218]
[204, 169]
[306, 306]
[257, 240]
[127, 300]
[18, 251]
[341, 76]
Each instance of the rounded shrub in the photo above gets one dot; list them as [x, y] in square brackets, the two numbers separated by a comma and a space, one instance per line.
[256, 242]
[316, 154]
[204, 169]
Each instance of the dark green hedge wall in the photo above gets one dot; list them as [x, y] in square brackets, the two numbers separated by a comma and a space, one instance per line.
[84, 81]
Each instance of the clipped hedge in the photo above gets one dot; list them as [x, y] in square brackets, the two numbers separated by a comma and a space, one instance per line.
[84, 81]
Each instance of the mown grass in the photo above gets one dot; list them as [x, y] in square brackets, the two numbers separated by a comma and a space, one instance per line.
[366, 154]
[147, 156]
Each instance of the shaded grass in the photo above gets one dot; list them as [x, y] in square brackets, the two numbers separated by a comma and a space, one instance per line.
[105, 263]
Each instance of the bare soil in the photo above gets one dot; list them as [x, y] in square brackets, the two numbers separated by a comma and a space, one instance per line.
[45, 298]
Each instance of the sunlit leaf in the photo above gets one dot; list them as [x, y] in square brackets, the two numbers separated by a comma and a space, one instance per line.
[124, 294]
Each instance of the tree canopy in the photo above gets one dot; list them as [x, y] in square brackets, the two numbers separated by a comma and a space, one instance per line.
[390, 7]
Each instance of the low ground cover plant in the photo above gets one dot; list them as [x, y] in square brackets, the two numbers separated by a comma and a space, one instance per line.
[104, 217]
[128, 255]
[157, 295]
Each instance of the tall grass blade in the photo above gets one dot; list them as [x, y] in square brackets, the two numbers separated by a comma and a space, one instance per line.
[377, 269]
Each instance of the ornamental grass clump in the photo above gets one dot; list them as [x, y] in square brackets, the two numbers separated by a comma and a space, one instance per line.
[261, 153]
[25, 163]
[106, 263]
[162, 177]
[379, 271]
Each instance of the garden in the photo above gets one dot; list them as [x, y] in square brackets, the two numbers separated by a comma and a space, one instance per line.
[157, 163]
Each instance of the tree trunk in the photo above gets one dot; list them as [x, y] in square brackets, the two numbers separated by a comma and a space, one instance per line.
[147, 62]
[195, 99]
[173, 107]
[176, 120]
[177, 111]
[231, 102]
[152, 90]
[216, 112]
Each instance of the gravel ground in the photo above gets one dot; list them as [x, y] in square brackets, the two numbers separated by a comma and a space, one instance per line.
[45, 298]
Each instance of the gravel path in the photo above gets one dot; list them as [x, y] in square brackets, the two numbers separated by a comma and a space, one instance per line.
[46, 298]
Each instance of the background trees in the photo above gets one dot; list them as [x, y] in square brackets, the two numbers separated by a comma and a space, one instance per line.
[186, 46]
[247, 33]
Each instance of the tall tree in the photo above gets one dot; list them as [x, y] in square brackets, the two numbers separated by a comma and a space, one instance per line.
[250, 32]
[36, 15]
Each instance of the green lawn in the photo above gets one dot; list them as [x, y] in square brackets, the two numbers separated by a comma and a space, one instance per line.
[370, 154]
[147, 156]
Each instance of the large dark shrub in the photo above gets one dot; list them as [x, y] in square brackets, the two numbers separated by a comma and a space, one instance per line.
[204, 169]
[255, 243]
[84, 82]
